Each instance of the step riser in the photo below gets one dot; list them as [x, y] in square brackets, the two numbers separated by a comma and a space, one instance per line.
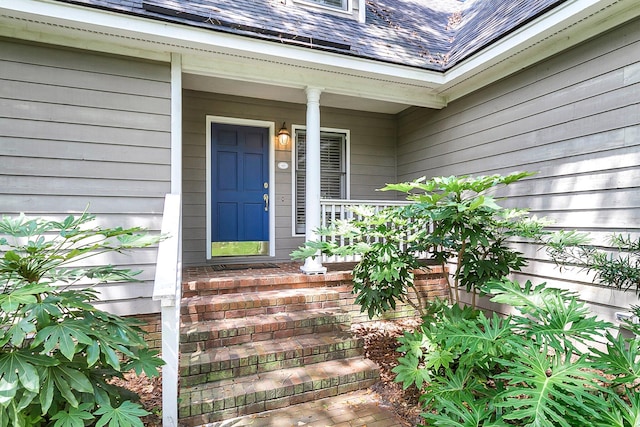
[218, 409]
[219, 313]
[201, 373]
[216, 339]
[232, 307]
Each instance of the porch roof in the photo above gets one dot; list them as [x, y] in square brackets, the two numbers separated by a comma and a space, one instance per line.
[427, 34]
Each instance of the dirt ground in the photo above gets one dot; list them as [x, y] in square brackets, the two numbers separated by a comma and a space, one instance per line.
[380, 345]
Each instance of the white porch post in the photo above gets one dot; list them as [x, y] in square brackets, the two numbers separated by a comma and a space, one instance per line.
[171, 307]
[312, 189]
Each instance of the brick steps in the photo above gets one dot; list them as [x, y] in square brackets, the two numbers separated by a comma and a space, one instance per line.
[250, 394]
[225, 332]
[263, 356]
[246, 352]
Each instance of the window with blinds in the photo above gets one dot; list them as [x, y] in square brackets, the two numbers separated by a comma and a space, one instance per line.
[333, 171]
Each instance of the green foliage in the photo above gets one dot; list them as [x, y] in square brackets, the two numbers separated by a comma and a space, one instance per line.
[617, 267]
[550, 363]
[58, 353]
[451, 220]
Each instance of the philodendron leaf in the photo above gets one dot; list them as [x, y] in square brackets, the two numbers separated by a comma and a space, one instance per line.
[548, 389]
[74, 417]
[126, 415]
[409, 372]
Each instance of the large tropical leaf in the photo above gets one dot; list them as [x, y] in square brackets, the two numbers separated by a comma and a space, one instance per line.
[126, 415]
[20, 366]
[64, 336]
[464, 412]
[549, 390]
[74, 417]
[622, 359]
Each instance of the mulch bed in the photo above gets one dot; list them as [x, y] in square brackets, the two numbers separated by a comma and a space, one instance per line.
[380, 340]
[380, 343]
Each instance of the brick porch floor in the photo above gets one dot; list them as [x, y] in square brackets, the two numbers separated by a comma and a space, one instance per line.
[357, 409]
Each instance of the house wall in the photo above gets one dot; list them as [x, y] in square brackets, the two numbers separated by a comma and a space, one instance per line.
[575, 120]
[372, 139]
[83, 130]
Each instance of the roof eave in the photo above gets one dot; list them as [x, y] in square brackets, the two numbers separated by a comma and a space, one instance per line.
[565, 26]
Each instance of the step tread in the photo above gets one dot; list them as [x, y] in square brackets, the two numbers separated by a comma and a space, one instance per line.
[344, 369]
[261, 319]
[248, 297]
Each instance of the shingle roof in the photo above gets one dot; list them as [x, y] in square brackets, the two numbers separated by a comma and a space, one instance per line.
[428, 34]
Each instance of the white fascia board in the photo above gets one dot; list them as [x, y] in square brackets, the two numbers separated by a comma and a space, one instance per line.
[182, 38]
[564, 26]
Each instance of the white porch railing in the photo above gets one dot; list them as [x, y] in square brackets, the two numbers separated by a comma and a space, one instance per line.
[333, 209]
[167, 289]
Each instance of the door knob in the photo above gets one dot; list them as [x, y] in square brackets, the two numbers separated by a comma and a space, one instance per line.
[265, 197]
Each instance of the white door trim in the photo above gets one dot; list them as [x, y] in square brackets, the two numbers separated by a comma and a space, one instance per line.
[272, 174]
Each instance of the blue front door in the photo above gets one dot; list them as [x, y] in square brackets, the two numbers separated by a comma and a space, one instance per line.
[240, 190]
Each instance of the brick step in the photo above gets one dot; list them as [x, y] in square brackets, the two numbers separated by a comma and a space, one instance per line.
[263, 282]
[221, 333]
[226, 399]
[229, 306]
[254, 358]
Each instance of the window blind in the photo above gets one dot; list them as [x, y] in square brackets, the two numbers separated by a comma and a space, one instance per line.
[332, 171]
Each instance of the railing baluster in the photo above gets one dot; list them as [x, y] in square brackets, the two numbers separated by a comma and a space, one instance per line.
[332, 210]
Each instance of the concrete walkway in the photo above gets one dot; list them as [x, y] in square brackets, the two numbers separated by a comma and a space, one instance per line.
[357, 409]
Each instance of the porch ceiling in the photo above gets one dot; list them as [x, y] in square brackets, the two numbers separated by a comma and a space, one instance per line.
[286, 94]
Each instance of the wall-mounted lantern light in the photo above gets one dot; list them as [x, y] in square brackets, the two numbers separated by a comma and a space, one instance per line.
[283, 138]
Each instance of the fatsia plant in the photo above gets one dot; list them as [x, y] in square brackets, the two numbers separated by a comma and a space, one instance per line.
[58, 352]
[550, 363]
[450, 220]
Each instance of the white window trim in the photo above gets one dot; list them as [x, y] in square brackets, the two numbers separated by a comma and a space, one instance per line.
[347, 159]
[272, 174]
[347, 11]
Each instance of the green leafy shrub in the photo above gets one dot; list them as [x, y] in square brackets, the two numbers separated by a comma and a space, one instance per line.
[58, 353]
[617, 267]
[451, 220]
[551, 363]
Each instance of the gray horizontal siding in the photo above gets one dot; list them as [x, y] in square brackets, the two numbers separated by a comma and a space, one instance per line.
[372, 160]
[575, 120]
[81, 131]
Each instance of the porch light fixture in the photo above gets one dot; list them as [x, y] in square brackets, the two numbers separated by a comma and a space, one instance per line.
[283, 137]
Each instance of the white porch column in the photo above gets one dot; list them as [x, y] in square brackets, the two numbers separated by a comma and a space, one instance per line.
[312, 190]
[171, 307]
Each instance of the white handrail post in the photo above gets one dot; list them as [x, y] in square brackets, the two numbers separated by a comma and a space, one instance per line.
[166, 288]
